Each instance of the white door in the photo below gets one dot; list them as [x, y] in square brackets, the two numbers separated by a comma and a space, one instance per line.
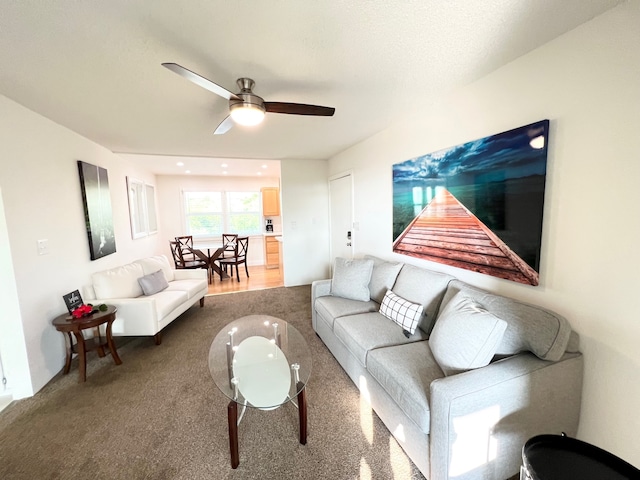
[341, 211]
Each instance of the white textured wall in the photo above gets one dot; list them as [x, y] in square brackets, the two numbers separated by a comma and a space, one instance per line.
[42, 200]
[588, 84]
[305, 214]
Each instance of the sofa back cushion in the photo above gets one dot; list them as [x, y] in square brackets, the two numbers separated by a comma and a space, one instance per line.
[424, 287]
[383, 277]
[153, 264]
[120, 282]
[529, 328]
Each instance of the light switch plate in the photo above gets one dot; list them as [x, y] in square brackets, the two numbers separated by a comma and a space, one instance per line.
[43, 247]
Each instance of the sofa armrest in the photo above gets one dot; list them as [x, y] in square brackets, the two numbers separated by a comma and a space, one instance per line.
[135, 316]
[319, 288]
[190, 273]
[481, 419]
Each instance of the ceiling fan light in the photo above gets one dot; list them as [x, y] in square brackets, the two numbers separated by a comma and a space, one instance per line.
[247, 114]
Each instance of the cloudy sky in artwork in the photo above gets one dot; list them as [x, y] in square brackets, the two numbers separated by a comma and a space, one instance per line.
[509, 154]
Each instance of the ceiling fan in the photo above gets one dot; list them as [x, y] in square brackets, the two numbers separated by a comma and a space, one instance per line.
[245, 107]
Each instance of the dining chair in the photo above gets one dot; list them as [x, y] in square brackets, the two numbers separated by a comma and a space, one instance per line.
[181, 263]
[240, 251]
[229, 241]
[186, 244]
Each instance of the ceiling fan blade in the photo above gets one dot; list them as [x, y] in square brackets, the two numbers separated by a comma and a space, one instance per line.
[298, 109]
[201, 81]
[224, 126]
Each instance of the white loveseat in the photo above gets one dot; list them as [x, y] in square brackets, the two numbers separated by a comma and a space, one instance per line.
[139, 314]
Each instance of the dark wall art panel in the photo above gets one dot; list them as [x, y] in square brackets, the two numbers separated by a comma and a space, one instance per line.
[98, 216]
[477, 205]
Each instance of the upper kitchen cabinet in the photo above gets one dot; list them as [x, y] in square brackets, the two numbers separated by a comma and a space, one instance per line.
[270, 201]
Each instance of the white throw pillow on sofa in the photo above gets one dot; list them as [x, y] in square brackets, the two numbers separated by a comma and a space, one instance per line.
[351, 279]
[401, 311]
[465, 336]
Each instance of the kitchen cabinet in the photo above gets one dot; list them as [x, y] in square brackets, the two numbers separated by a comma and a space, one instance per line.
[272, 252]
[270, 201]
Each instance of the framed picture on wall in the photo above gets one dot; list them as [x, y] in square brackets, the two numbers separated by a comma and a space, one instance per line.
[96, 199]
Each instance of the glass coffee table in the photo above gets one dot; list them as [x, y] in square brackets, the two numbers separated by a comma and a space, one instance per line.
[261, 362]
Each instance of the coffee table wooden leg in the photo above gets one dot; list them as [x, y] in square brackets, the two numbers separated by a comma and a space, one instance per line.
[302, 414]
[232, 415]
[82, 356]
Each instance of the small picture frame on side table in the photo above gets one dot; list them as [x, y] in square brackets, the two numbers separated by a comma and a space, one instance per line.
[73, 300]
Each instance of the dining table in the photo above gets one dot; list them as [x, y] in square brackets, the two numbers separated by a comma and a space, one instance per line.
[210, 252]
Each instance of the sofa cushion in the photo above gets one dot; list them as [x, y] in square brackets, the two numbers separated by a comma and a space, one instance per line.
[193, 286]
[424, 287]
[167, 301]
[465, 336]
[406, 372]
[153, 283]
[329, 308]
[153, 264]
[120, 282]
[383, 277]
[530, 328]
[401, 311]
[351, 278]
[366, 331]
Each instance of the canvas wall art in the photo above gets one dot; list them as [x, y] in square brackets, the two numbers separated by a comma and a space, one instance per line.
[476, 206]
[94, 184]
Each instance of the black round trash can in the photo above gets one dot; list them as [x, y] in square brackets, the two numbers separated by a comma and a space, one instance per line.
[558, 457]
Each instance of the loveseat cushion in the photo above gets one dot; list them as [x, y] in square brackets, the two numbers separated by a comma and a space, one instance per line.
[351, 278]
[465, 336]
[383, 277]
[120, 282]
[424, 287]
[366, 331]
[329, 308]
[529, 328]
[192, 286]
[167, 301]
[406, 372]
[153, 264]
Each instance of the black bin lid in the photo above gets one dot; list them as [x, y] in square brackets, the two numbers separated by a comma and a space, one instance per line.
[558, 457]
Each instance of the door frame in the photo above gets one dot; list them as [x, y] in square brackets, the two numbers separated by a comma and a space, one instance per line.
[337, 176]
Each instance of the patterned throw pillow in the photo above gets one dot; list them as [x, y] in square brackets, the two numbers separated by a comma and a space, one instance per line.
[401, 311]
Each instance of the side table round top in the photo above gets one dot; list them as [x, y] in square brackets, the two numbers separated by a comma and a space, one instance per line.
[66, 322]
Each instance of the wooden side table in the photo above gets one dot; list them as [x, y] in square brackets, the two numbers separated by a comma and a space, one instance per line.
[67, 325]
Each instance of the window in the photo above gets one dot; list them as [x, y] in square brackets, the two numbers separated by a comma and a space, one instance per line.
[142, 208]
[209, 214]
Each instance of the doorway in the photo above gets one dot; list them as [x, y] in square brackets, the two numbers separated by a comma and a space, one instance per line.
[341, 213]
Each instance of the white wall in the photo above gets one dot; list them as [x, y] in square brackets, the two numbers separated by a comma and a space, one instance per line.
[588, 84]
[305, 210]
[170, 205]
[42, 200]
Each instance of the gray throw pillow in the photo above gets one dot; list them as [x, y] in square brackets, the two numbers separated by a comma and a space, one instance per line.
[153, 283]
[465, 336]
[351, 278]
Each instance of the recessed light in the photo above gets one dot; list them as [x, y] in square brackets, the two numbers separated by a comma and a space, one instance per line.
[224, 165]
[264, 166]
[259, 173]
[224, 173]
[187, 171]
[180, 164]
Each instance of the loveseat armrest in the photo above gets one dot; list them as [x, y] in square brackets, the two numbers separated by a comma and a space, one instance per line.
[481, 419]
[190, 273]
[319, 288]
[135, 316]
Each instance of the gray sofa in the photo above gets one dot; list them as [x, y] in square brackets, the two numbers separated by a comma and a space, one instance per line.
[480, 375]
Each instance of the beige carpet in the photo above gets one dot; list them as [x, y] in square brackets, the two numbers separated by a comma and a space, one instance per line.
[160, 416]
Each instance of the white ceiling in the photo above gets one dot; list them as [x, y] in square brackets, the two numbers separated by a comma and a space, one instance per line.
[94, 65]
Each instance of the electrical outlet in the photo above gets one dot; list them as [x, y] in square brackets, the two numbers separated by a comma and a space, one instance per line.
[43, 247]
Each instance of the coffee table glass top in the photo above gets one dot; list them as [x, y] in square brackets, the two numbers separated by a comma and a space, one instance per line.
[260, 361]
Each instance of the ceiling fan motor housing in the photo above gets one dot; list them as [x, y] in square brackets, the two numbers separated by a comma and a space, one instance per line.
[247, 108]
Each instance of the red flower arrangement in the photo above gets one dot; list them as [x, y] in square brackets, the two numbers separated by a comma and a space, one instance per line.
[82, 311]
